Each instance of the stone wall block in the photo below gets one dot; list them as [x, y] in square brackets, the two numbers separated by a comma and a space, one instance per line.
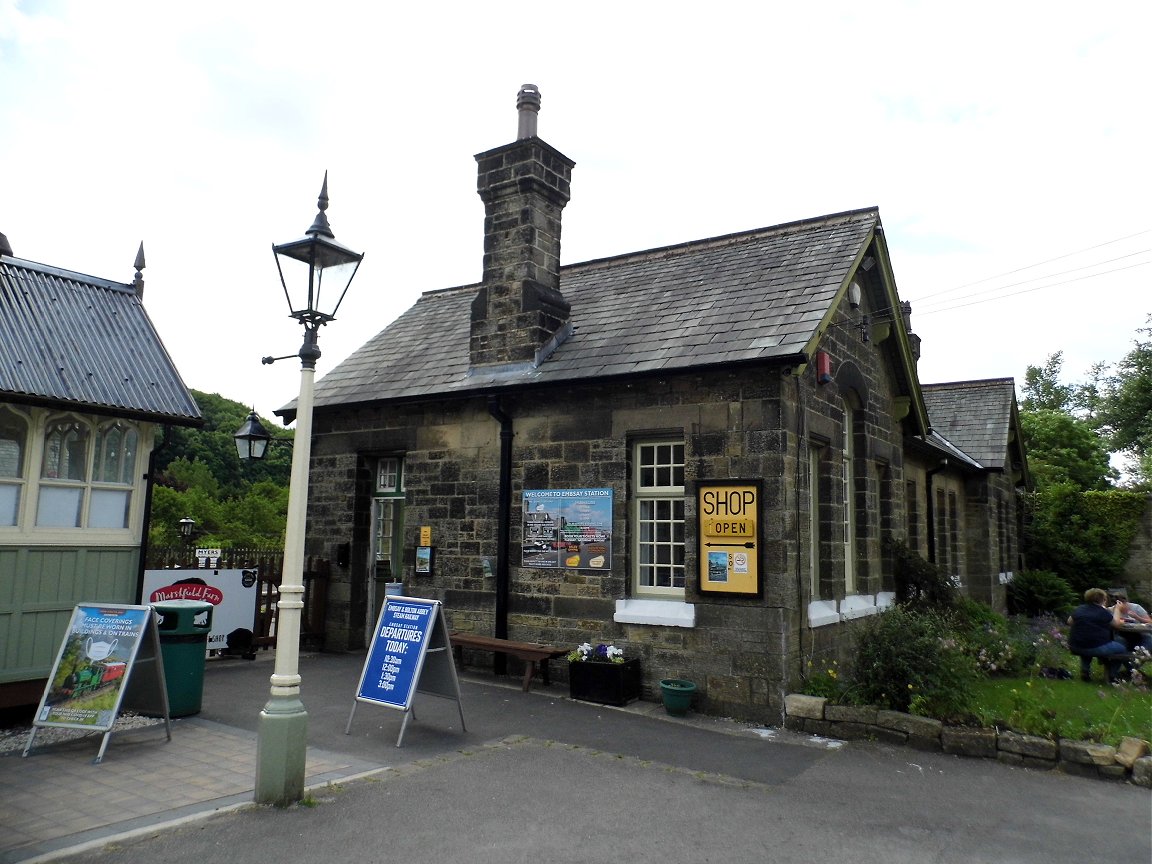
[927, 743]
[1130, 750]
[799, 705]
[922, 727]
[850, 713]
[1077, 769]
[1112, 772]
[848, 731]
[1027, 745]
[969, 741]
[888, 736]
[794, 723]
[1087, 753]
[820, 727]
[1142, 772]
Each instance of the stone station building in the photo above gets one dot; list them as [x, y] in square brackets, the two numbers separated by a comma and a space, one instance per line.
[692, 452]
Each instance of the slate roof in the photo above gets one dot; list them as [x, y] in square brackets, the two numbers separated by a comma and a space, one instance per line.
[754, 296]
[73, 340]
[977, 416]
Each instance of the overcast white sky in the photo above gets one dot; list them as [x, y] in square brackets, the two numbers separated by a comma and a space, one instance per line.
[1006, 144]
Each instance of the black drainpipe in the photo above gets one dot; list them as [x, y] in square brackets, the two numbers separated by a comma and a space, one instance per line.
[503, 526]
[930, 510]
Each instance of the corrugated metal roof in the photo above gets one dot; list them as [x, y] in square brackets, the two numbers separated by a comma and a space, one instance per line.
[71, 339]
[758, 295]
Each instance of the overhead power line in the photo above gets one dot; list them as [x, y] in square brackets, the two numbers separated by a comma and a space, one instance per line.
[919, 312]
[1037, 264]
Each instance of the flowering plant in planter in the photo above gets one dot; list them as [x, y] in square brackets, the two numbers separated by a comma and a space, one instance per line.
[600, 654]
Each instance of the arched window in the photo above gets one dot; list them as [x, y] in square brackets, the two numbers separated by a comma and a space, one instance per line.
[115, 460]
[113, 469]
[63, 473]
[13, 449]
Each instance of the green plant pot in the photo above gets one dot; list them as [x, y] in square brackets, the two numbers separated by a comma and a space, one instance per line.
[677, 695]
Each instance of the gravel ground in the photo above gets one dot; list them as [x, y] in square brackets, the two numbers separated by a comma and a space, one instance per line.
[14, 738]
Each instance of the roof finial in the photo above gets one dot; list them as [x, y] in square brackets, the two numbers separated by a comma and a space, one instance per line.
[138, 281]
[320, 223]
[528, 106]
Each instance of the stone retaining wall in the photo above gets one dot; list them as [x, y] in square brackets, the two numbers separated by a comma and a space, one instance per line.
[815, 715]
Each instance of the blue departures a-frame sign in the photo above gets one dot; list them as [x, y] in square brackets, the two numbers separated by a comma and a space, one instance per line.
[410, 652]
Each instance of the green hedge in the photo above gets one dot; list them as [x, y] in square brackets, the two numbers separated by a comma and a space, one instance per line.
[1083, 537]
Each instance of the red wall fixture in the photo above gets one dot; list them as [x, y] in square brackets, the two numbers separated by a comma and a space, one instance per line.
[823, 367]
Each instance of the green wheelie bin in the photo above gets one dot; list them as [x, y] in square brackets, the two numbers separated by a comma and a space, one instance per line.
[184, 626]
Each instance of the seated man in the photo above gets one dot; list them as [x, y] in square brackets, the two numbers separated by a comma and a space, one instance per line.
[1093, 633]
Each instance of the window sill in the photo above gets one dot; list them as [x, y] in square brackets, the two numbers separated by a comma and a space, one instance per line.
[668, 613]
[822, 613]
[858, 606]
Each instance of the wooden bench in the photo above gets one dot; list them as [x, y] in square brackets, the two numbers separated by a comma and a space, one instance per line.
[532, 653]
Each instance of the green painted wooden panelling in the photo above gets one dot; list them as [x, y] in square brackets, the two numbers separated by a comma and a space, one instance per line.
[39, 588]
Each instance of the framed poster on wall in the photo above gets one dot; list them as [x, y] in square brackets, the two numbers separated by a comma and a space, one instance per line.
[728, 531]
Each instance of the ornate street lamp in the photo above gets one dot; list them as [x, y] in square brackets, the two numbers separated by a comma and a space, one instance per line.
[315, 271]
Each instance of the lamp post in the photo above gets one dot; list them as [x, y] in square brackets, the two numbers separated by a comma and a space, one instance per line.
[187, 527]
[313, 270]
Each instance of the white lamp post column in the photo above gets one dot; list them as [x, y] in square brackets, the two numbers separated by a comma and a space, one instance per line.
[282, 736]
[324, 267]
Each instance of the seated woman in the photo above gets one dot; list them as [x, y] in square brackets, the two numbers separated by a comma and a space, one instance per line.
[1133, 613]
[1093, 633]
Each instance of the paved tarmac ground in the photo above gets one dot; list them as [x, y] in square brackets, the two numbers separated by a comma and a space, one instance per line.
[537, 777]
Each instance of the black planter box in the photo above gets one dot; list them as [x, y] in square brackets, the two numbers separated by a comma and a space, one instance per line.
[606, 683]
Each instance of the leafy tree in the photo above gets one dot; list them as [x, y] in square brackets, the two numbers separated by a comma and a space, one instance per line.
[199, 475]
[1042, 388]
[214, 447]
[1124, 401]
[1064, 449]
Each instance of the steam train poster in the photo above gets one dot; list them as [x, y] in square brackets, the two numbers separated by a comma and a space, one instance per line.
[93, 666]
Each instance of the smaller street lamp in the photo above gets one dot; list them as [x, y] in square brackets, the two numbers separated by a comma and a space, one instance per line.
[252, 439]
[187, 526]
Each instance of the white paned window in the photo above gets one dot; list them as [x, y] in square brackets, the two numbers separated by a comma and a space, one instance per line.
[849, 508]
[658, 518]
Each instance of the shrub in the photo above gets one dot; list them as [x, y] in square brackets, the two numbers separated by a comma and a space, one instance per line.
[998, 646]
[1039, 592]
[919, 582]
[824, 680]
[909, 660]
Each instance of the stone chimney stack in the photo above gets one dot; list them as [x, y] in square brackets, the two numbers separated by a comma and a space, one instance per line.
[519, 312]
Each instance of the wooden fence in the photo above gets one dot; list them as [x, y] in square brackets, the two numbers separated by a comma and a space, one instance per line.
[268, 563]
